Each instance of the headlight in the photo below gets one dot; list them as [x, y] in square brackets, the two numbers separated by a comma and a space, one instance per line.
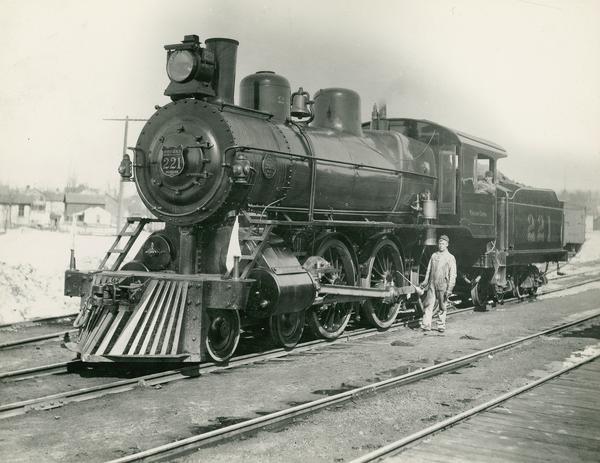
[181, 65]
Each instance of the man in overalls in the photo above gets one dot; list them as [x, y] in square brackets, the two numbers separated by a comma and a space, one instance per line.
[439, 283]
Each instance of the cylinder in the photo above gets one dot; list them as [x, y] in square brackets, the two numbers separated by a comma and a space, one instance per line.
[429, 209]
[282, 293]
[268, 92]
[338, 109]
[225, 51]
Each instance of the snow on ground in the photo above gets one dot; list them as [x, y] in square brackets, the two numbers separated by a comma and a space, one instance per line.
[590, 251]
[32, 266]
[586, 260]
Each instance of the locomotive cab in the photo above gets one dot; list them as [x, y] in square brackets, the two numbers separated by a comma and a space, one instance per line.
[461, 164]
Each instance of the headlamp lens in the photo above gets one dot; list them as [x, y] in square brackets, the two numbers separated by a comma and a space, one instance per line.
[180, 65]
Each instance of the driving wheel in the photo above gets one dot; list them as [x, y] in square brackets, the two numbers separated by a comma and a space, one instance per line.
[384, 267]
[329, 321]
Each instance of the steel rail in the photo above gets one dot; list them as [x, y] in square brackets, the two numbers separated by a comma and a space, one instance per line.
[42, 370]
[93, 392]
[571, 275]
[43, 337]
[393, 448]
[186, 445]
[38, 320]
[571, 286]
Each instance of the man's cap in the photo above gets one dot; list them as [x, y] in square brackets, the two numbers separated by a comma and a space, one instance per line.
[445, 238]
[488, 173]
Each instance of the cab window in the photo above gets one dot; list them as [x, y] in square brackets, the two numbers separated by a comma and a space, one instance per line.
[485, 170]
[447, 178]
[483, 164]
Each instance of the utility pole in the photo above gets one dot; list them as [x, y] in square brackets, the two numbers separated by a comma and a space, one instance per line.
[121, 181]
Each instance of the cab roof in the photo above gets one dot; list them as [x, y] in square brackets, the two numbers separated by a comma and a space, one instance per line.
[427, 128]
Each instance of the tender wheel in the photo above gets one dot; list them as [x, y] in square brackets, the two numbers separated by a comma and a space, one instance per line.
[287, 328]
[526, 283]
[538, 279]
[516, 287]
[501, 294]
[223, 334]
[383, 267]
[480, 293]
[329, 320]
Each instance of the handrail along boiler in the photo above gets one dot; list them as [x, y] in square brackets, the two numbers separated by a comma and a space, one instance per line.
[332, 217]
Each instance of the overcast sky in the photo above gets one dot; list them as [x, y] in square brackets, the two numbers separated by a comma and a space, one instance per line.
[524, 74]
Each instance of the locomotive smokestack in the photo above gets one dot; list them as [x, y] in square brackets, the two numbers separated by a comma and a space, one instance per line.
[225, 51]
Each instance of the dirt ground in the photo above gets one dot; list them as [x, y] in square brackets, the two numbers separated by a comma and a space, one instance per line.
[117, 425]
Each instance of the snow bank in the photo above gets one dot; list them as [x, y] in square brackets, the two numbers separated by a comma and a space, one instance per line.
[590, 251]
[32, 266]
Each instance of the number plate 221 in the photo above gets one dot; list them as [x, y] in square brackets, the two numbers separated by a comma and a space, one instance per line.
[171, 161]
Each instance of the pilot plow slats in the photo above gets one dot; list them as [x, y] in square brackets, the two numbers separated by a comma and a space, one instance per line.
[141, 328]
[167, 310]
[154, 327]
[178, 326]
[98, 332]
[161, 307]
[111, 332]
[181, 287]
[129, 330]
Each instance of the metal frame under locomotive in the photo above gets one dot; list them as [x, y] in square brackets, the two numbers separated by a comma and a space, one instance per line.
[302, 262]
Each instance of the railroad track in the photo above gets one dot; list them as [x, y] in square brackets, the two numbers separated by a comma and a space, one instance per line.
[571, 275]
[396, 447]
[150, 380]
[184, 446]
[37, 320]
[160, 378]
[36, 323]
[571, 286]
[58, 335]
[36, 372]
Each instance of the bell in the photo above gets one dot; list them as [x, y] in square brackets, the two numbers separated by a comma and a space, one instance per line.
[300, 101]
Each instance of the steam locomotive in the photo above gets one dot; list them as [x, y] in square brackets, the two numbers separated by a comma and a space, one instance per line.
[285, 212]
